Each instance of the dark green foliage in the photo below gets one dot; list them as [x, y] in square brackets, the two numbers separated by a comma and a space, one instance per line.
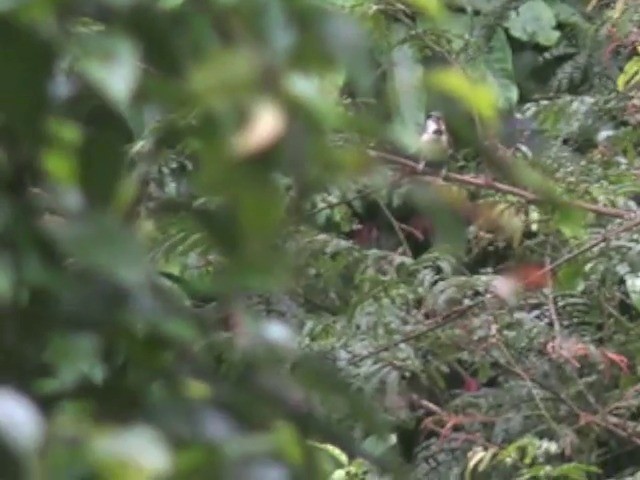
[205, 274]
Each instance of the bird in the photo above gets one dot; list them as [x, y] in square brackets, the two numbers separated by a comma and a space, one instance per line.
[435, 142]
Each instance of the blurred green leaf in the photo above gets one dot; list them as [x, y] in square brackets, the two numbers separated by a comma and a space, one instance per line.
[477, 97]
[571, 221]
[630, 74]
[225, 76]
[308, 280]
[566, 13]
[112, 62]
[499, 63]
[534, 21]
[103, 156]
[407, 93]
[132, 452]
[25, 62]
[485, 6]
[8, 5]
[74, 358]
[570, 276]
[99, 242]
[435, 8]
[59, 159]
[338, 456]
[632, 282]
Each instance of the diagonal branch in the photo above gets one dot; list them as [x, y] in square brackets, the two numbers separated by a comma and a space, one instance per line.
[457, 312]
[489, 184]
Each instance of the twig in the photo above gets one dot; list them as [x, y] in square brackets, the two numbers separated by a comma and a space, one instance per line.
[457, 312]
[396, 226]
[552, 304]
[489, 184]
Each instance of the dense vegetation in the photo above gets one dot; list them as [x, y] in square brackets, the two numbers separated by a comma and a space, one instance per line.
[218, 259]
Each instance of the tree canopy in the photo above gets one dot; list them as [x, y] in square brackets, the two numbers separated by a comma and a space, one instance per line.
[220, 259]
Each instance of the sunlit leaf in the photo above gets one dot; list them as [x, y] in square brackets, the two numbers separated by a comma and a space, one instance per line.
[434, 8]
[267, 123]
[504, 220]
[630, 74]
[338, 455]
[477, 97]
[137, 451]
[59, 159]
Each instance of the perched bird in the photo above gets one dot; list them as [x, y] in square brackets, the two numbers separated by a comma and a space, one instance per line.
[435, 142]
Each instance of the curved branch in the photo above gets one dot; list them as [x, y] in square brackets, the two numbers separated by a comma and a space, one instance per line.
[489, 184]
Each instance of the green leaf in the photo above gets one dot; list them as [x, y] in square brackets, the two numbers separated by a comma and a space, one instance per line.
[434, 8]
[630, 74]
[8, 5]
[566, 14]
[132, 452]
[458, 27]
[103, 156]
[476, 96]
[499, 61]
[575, 471]
[632, 282]
[59, 158]
[377, 445]
[407, 91]
[483, 6]
[571, 221]
[289, 443]
[336, 455]
[74, 358]
[25, 65]
[449, 229]
[348, 44]
[496, 68]
[111, 62]
[535, 22]
[570, 277]
[101, 243]
[224, 76]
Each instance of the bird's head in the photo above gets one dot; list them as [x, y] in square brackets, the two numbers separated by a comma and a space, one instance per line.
[434, 124]
[435, 130]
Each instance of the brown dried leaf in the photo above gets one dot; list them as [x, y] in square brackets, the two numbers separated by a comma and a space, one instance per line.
[266, 125]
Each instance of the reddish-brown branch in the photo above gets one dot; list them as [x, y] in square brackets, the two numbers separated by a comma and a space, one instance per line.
[490, 184]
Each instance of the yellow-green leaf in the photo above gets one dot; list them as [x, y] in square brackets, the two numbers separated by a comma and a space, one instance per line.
[478, 97]
[434, 8]
[630, 74]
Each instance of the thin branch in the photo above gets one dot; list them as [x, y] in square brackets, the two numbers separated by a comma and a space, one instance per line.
[552, 304]
[396, 226]
[489, 184]
[455, 313]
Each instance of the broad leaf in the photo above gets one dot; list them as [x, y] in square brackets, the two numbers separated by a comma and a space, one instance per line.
[112, 62]
[534, 22]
